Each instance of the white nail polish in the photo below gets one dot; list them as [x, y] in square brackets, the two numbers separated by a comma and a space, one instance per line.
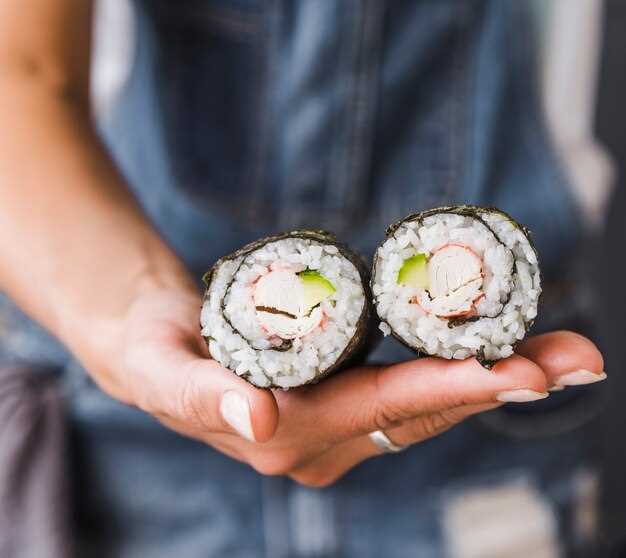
[556, 388]
[236, 412]
[520, 396]
[579, 378]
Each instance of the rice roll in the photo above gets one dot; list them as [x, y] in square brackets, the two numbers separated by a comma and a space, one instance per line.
[286, 310]
[456, 282]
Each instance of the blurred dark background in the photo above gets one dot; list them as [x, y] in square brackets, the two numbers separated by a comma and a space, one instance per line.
[611, 270]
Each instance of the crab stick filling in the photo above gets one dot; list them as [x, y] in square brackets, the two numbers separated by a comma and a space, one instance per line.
[287, 303]
[449, 283]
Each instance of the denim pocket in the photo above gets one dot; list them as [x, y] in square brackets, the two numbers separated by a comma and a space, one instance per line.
[211, 61]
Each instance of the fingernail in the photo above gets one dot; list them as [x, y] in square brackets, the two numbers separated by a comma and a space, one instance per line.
[579, 378]
[520, 396]
[236, 412]
[556, 388]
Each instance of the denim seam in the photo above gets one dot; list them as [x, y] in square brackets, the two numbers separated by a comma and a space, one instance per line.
[364, 100]
[459, 117]
[345, 68]
[453, 114]
[265, 119]
[469, 153]
[480, 176]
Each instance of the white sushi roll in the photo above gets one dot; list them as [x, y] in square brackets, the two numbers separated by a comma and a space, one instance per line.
[456, 282]
[286, 310]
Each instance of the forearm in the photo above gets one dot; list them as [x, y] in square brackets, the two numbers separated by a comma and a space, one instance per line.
[75, 247]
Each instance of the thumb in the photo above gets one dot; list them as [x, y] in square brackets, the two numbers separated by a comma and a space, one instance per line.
[199, 394]
[212, 395]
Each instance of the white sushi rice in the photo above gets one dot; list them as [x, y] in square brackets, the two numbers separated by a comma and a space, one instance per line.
[511, 286]
[248, 350]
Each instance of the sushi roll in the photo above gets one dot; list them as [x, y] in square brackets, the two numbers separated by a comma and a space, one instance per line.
[286, 310]
[456, 282]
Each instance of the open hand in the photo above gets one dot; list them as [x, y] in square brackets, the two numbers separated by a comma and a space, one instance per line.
[315, 434]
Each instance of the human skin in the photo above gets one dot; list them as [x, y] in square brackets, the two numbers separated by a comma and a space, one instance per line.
[79, 257]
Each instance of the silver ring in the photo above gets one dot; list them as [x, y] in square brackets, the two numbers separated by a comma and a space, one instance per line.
[382, 441]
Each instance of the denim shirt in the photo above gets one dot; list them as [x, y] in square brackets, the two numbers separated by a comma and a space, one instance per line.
[245, 117]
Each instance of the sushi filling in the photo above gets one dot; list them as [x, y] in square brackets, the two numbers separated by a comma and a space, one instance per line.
[288, 305]
[455, 281]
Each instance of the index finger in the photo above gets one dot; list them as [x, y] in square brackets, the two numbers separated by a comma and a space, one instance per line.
[365, 399]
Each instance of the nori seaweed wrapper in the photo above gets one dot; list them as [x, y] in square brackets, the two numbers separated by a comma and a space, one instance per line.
[366, 334]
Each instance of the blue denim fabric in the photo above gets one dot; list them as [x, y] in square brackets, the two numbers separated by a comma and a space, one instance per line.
[255, 116]
[245, 117]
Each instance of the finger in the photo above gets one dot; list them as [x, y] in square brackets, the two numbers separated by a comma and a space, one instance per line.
[173, 379]
[333, 464]
[422, 428]
[376, 398]
[567, 358]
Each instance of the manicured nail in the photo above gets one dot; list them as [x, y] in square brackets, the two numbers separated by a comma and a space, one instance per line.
[579, 378]
[556, 388]
[236, 412]
[520, 396]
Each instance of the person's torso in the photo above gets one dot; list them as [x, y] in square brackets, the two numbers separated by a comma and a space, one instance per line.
[246, 117]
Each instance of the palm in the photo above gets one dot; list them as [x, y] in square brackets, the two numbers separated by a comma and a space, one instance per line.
[161, 364]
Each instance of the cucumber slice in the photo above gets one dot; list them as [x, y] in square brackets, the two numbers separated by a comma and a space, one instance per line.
[316, 287]
[414, 272]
